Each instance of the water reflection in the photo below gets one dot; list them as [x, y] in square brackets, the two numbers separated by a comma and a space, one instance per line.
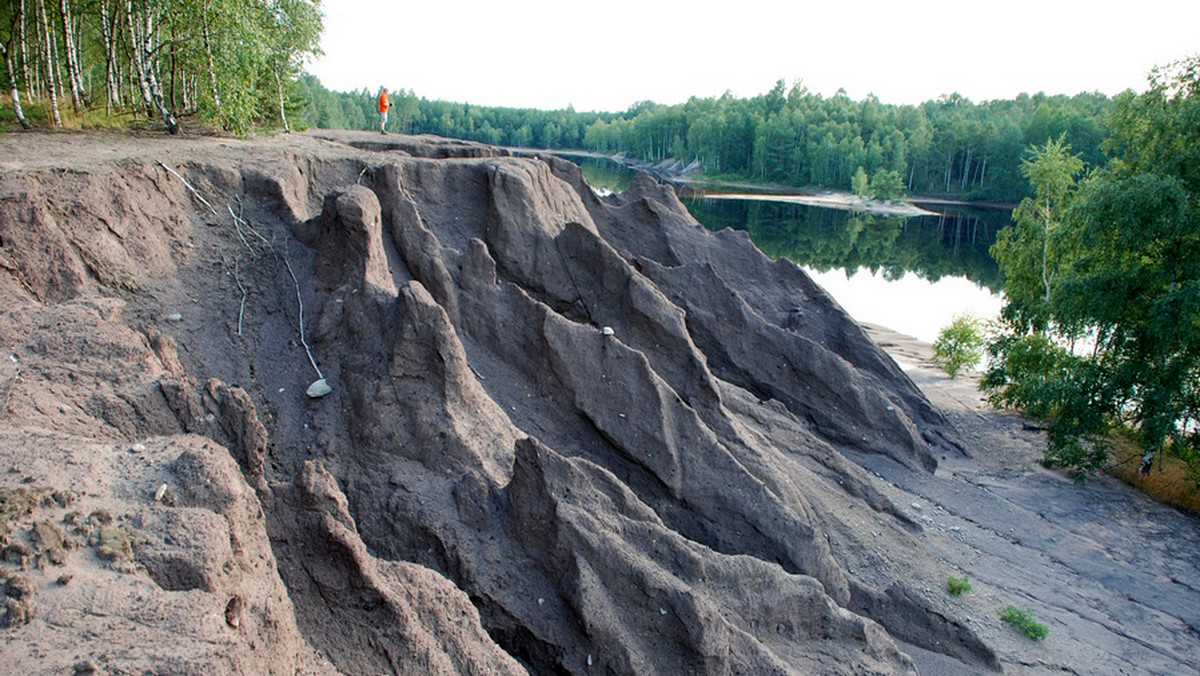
[951, 244]
[605, 176]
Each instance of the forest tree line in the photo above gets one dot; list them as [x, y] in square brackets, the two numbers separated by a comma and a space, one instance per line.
[950, 146]
[231, 64]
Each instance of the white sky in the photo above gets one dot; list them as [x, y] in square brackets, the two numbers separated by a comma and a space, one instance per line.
[606, 56]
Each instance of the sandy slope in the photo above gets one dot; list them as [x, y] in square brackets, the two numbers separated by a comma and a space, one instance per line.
[492, 477]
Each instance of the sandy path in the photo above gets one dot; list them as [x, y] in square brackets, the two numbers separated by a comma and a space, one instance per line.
[1113, 574]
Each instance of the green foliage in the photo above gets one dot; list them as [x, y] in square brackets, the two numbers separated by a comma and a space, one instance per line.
[958, 585]
[1115, 265]
[1022, 618]
[959, 345]
[887, 184]
[860, 184]
[228, 64]
[1031, 252]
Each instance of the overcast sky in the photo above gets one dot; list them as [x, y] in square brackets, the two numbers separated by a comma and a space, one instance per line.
[606, 56]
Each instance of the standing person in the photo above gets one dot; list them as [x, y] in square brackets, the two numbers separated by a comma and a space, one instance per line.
[384, 105]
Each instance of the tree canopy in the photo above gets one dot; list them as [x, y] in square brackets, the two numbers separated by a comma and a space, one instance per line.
[233, 64]
[786, 136]
[1103, 284]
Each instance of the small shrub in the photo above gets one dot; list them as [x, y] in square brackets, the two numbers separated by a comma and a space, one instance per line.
[958, 585]
[1022, 618]
[959, 345]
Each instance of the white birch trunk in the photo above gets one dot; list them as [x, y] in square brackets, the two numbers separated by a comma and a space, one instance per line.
[74, 71]
[13, 93]
[51, 77]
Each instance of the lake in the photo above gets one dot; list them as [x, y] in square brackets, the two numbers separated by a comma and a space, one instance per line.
[910, 274]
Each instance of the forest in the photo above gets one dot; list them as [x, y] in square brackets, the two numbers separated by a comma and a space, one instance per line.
[239, 67]
[217, 64]
[788, 136]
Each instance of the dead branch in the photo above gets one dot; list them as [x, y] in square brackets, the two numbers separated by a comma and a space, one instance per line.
[239, 219]
[189, 187]
[237, 226]
[242, 308]
[300, 302]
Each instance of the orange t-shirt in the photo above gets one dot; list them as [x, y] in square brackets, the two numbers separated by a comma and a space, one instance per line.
[384, 104]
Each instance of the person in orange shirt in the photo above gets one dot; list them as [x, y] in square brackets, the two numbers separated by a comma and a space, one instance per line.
[384, 105]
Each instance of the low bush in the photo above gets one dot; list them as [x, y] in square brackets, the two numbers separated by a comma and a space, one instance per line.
[959, 345]
[1022, 618]
[958, 585]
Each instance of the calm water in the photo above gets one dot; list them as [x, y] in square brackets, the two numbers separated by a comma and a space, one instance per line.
[909, 274]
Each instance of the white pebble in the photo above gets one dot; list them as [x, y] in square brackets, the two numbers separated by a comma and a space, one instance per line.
[318, 389]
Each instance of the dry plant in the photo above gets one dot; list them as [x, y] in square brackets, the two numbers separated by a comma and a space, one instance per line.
[1170, 480]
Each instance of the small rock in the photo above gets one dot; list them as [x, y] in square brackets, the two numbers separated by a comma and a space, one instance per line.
[606, 331]
[174, 317]
[318, 389]
[160, 493]
[917, 506]
[233, 612]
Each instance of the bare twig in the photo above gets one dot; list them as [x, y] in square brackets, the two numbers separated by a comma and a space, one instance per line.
[238, 218]
[189, 187]
[300, 302]
[237, 225]
[242, 309]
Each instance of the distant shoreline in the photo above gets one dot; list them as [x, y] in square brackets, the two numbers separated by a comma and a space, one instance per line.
[834, 200]
[677, 173]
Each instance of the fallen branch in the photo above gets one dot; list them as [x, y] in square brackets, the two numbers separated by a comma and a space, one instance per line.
[300, 302]
[242, 309]
[237, 226]
[189, 187]
[239, 219]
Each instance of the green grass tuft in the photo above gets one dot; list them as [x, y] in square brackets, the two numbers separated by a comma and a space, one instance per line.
[1022, 618]
[958, 585]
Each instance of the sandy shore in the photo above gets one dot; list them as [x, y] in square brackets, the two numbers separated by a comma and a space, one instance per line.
[834, 200]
